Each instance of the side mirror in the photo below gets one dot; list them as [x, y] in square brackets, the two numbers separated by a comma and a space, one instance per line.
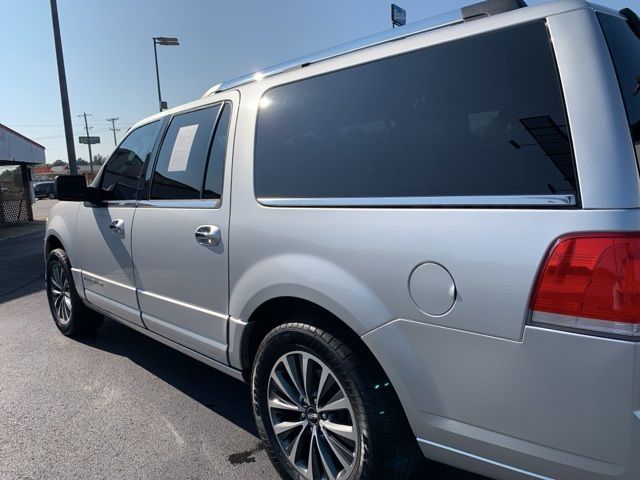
[71, 188]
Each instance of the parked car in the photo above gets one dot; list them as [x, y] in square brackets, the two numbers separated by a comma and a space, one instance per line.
[425, 241]
[43, 190]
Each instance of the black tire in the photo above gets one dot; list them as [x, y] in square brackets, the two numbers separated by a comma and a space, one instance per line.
[70, 314]
[386, 450]
[52, 195]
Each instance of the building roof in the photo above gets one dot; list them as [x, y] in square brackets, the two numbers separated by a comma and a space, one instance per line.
[16, 148]
[12, 131]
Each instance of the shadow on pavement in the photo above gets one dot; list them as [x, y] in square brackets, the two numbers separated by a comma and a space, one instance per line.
[22, 264]
[222, 394]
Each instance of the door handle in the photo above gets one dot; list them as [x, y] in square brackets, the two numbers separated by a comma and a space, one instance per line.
[117, 227]
[208, 235]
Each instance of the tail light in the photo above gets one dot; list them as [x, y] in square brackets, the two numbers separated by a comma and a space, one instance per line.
[591, 282]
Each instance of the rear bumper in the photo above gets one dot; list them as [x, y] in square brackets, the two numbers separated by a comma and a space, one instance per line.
[554, 405]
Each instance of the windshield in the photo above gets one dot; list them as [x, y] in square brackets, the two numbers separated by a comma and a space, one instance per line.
[624, 46]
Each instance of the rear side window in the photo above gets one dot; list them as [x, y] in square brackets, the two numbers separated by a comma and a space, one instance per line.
[624, 46]
[122, 170]
[481, 116]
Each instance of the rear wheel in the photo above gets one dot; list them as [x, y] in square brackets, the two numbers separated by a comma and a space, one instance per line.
[70, 314]
[324, 412]
[52, 195]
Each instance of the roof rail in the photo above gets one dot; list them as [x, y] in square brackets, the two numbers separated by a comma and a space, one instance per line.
[432, 23]
[471, 12]
[490, 7]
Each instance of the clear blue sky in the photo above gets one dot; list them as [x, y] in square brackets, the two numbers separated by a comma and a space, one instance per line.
[109, 53]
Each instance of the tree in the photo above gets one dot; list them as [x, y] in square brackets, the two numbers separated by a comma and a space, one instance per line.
[58, 163]
[99, 159]
[81, 161]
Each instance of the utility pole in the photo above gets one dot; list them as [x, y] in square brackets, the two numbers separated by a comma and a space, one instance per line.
[86, 127]
[64, 95]
[113, 128]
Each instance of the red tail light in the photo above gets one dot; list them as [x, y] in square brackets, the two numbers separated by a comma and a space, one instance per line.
[591, 282]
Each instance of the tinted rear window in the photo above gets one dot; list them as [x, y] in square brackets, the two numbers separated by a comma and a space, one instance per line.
[624, 46]
[479, 116]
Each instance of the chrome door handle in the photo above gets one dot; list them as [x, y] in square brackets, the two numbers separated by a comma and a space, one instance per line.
[117, 226]
[208, 235]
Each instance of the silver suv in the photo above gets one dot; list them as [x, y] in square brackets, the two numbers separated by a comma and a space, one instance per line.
[424, 241]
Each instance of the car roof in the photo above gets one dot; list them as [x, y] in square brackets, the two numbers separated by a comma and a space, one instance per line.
[422, 27]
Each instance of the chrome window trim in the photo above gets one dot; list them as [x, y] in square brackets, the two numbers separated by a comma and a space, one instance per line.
[202, 203]
[453, 201]
[117, 203]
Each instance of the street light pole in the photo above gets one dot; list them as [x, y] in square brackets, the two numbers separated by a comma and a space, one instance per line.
[155, 54]
[170, 41]
[86, 127]
[64, 94]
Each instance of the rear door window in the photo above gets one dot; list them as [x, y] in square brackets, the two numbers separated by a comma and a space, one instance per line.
[481, 116]
[624, 46]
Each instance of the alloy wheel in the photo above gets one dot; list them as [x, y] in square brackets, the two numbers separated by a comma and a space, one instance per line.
[312, 417]
[60, 293]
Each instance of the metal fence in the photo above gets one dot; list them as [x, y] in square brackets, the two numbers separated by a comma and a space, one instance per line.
[15, 197]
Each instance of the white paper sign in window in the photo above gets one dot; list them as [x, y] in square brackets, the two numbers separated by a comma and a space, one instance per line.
[181, 148]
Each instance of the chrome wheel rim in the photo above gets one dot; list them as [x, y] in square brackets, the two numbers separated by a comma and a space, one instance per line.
[60, 293]
[312, 417]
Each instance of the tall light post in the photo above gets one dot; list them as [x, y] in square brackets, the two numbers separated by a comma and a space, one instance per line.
[161, 41]
[64, 95]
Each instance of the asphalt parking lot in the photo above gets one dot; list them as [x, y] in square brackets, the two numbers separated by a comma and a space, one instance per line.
[117, 405]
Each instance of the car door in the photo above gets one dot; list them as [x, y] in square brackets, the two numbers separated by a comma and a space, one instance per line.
[103, 230]
[181, 231]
